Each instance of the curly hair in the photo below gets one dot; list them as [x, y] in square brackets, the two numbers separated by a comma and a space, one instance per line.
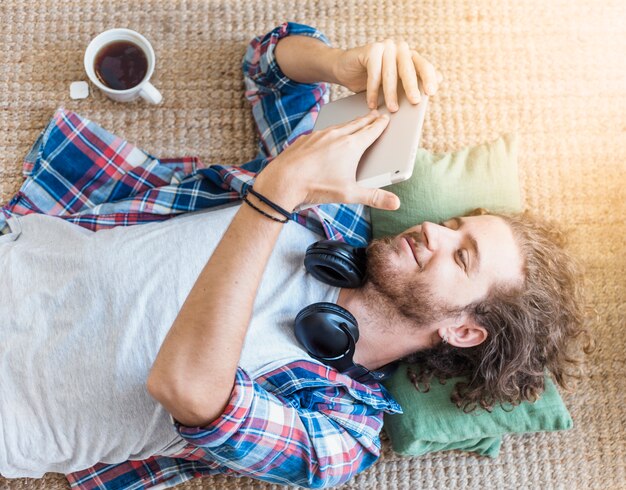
[531, 329]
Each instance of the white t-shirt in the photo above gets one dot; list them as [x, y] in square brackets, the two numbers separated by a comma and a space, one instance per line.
[83, 317]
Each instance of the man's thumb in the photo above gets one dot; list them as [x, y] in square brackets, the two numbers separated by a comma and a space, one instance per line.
[378, 198]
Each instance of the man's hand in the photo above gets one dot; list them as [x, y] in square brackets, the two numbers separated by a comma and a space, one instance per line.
[321, 167]
[366, 67]
[309, 60]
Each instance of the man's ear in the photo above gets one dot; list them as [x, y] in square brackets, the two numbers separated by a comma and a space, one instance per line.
[466, 334]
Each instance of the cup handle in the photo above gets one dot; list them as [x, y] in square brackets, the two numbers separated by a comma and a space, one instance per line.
[149, 93]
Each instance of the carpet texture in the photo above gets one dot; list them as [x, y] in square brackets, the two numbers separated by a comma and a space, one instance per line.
[553, 71]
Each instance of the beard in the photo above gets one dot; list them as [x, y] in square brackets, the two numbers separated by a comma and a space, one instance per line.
[411, 296]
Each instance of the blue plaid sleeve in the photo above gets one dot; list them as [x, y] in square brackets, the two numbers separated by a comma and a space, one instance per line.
[301, 424]
[282, 108]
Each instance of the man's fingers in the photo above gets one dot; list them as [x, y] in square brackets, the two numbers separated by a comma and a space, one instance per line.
[369, 133]
[376, 198]
[427, 73]
[353, 126]
[406, 71]
[374, 68]
[390, 75]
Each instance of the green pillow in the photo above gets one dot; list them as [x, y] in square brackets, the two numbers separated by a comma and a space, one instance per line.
[444, 185]
[431, 422]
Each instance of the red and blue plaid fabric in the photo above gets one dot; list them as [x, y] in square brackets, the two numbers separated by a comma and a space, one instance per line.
[302, 424]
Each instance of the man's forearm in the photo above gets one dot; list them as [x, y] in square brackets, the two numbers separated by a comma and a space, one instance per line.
[194, 372]
[306, 60]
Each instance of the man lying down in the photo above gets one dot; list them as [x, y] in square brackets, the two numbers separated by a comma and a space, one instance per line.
[151, 354]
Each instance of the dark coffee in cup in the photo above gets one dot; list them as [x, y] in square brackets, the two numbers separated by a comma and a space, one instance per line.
[120, 62]
[121, 65]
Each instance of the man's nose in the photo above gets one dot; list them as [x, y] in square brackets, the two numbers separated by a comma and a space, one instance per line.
[436, 236]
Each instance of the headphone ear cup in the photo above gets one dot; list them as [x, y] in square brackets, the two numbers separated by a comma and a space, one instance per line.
[336, 263]
[328, 332]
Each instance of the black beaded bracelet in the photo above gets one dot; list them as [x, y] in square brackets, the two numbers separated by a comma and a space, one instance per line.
[247, 201]
[272, 205]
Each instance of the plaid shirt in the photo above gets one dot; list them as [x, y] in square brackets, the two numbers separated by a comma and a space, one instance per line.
[302, 424]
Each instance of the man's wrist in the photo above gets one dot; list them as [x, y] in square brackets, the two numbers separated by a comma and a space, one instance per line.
[280, 190]
[328, 64]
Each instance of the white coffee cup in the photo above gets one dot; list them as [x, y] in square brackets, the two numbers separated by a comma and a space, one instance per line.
[143, 89]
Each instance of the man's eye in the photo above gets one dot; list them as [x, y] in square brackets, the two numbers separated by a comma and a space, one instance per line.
[461, 254]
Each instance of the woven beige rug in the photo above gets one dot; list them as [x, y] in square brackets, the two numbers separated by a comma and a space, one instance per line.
[552, 70]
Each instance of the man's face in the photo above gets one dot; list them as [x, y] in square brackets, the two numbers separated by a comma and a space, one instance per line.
[431, 271]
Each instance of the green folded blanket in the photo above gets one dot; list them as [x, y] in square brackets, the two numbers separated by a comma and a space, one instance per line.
[431, 422]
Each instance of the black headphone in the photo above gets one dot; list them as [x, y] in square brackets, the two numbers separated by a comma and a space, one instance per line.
[327, 331]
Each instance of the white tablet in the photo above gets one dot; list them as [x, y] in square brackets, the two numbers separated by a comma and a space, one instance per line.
[391, 157]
